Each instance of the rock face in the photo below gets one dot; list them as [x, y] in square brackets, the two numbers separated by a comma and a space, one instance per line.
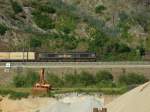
[136, 100]
[77, 19]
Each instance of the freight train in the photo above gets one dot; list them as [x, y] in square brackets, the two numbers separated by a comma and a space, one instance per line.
[47, 57]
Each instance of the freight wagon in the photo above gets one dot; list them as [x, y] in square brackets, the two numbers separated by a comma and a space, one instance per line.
[17, 56]
[47, 56]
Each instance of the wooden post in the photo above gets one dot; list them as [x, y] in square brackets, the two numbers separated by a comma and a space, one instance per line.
[95, 109]
[104, 110]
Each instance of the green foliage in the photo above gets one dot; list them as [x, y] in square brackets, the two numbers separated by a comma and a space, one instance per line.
[66, 24]
[16, 6]
[104, 79]
[19, 80]
[122, 48]
[70, 42]
[100, 9]
[47, 9]
[35, 42]
[31, 78]
[143, 19]
[28, 80]
[109, 49]
[13, 94]
[148, 44]
[70, 80]
[97, 43]
[103, 76]
[42, 20]
[132, 78]
[86, 79]
[18, 95]
[105, 84]
[124, 24]
[55, 80]
[53, 42]
[123, 16]
[3, 29]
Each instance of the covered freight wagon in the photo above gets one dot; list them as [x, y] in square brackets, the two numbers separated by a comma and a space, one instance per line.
[17, 56]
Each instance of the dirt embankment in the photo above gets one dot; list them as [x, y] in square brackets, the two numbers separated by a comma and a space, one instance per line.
[136, 100]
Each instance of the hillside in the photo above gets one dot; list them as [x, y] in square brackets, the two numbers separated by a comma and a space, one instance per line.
[114, 29]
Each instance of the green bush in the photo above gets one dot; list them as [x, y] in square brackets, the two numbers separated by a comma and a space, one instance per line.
[123, 16]
[70, 42]
[19, 80]
[105, 84]
[54, 80]
[18, 95]
[31, 78]
[3, 29]
[85, 79]
[13, 94]
[42, 20]
[35, 42]
[28, 80]
[70, 80]
[66, 24]
[121, 48]
[16, 7]
[132, 79]
[100, 8]
[104, 76]
[47, 9]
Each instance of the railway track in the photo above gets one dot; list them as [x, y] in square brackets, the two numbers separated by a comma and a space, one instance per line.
[76, 64]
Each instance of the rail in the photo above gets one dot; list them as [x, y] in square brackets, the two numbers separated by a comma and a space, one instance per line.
[79, 63]
[83, 63]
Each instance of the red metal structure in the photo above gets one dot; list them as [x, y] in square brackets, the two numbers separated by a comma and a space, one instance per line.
[42, 86]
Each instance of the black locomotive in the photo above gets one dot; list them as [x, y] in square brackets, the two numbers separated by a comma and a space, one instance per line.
[66, 57]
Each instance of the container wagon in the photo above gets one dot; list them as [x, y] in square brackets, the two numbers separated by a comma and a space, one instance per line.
[17, 56]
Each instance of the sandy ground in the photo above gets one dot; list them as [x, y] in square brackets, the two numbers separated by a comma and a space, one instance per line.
[137, 100]
[46, 104]
[23, 105]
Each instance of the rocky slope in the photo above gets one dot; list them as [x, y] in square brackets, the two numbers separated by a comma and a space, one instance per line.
[72, 25]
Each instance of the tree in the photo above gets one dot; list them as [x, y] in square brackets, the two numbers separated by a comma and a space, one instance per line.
[16, 7]
[3, 29]
[100, 9]
[43, 20]
[35, 42]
